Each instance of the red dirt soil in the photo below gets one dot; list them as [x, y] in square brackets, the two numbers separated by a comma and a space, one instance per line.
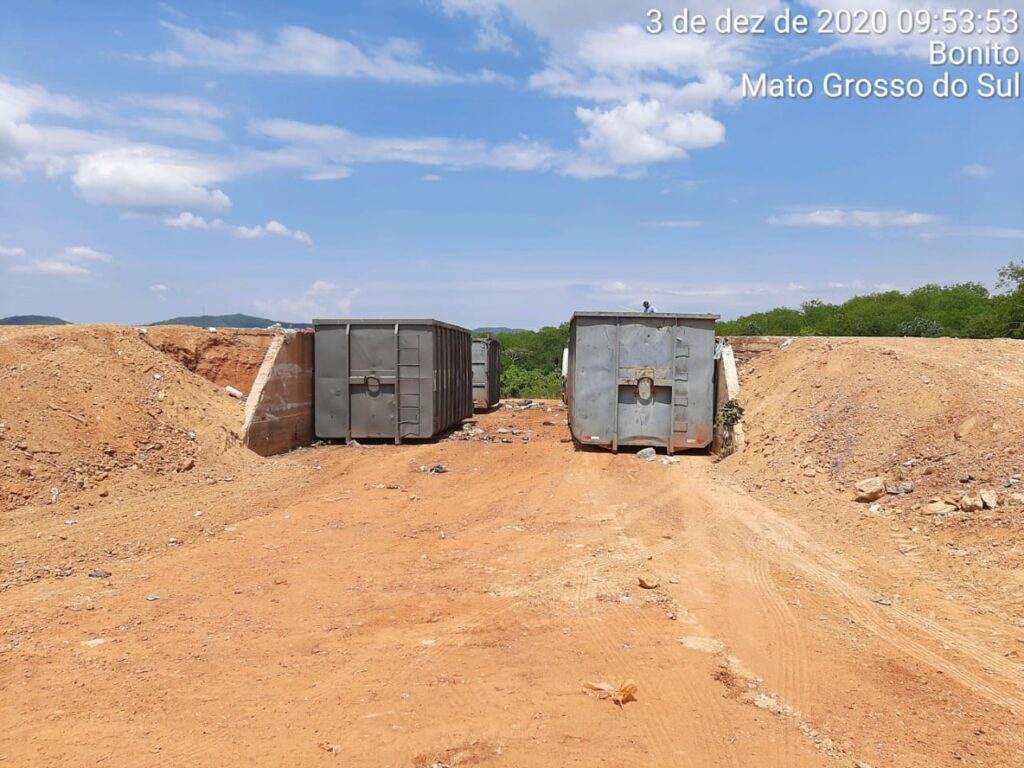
[338, 606]
[227, 356]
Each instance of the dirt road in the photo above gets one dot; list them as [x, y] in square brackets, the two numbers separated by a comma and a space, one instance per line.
[337, 606]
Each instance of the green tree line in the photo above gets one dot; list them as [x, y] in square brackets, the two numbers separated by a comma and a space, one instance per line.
[531, 361]
[965, 310]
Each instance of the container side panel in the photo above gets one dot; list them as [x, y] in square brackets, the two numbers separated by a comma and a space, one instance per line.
[376, 383]
[372, 374]
[699, 386]
[486, 372]
[641, 380]
[592, 403]
[493, 373]
[414, 394]
[480, 349]
[330, 391]
[645, 412]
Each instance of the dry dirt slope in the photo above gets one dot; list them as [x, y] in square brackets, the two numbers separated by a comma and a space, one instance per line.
[945, 415]
[338, 606]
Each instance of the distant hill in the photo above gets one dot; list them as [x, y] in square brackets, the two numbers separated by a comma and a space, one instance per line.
[228, 321]
[32, 320]
[496, 329]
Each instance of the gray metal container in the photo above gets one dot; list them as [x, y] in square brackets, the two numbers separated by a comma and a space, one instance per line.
[486, 373]
[641, 379]
[395, 379]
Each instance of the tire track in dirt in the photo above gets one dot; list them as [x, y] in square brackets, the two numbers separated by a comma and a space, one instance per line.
[791, 654]
[777, 540]
[678, 689]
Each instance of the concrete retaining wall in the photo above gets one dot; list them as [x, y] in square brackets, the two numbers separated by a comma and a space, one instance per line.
[279, 409]
[727, 387]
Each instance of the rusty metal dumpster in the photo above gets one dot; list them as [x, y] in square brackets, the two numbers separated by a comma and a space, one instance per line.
[395, 379]
[641, 379]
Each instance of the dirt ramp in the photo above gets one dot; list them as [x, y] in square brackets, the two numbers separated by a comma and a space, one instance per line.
[934, 410]
[83, 407]
[227, 357]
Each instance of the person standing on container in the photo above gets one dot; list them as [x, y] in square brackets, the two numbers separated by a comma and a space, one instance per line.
[648, 309]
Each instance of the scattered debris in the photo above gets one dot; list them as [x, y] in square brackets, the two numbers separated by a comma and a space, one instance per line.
[940, 507]
[334, 749]
[969, 503]
[234, 392]
[521, 405]
[99, 573]
[93, 643]
[904, 487]
[870, 489]
[622, 694]
[990, 499]
[437, 469]
[881, 600]
[647, 454]
[152, 598]
[670, 459]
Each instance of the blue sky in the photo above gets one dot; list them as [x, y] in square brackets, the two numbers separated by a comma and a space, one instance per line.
[486, 162]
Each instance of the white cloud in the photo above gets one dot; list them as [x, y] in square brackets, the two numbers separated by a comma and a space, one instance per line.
[11, 251]
[650, 96]
[302, 51]
[188, 220]
[181, 105]
[639, 133]
[20, 102]
[976, 171]
[998, 233]
[430, 177]
[70, 261]
[865, 219]
[329, 173]
[247, 233]
[83, 253]
[159, 288]
[150, 177]
[186, 128]
[490, 38]
[837, 284]
[107, 169]
[322, 299]
[51, 267]
[320, 145]
[272, 228]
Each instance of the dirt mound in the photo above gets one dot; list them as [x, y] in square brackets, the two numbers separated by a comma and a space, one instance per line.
[932, 411]
[940, 418]
[228, 357]
[84, 407]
